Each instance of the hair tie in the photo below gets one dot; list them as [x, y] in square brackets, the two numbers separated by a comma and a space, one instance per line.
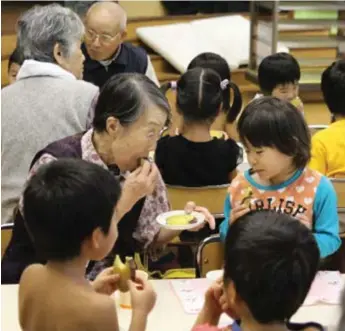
[224, 84]
[173, 85]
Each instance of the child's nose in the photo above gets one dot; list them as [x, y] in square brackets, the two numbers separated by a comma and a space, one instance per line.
[251, 159]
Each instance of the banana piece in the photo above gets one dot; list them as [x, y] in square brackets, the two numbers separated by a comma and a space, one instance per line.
[180, 219]
[247, 196]
[125, 270]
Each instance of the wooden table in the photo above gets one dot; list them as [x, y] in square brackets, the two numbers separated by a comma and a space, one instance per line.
[167, 315]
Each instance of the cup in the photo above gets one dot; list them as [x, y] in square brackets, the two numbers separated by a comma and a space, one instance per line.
[215, 274]
[125, 297]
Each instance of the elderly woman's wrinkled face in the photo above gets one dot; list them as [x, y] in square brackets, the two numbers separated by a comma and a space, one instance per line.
[137, 140]
[74, 63]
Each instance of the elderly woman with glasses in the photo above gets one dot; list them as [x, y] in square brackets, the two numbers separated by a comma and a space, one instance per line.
[106, 53]
[129, 116]
[48, 101]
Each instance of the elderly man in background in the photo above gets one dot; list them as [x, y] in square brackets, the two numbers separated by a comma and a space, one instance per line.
[48, 101]
[106, 53]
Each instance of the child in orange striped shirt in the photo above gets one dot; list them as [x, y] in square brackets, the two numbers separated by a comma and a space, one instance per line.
[277, 142]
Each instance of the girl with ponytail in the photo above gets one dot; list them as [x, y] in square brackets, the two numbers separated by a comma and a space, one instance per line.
[229, 113]
[193, 158]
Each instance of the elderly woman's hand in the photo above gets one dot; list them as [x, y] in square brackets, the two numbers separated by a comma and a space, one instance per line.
[138, 184]
[191, 206]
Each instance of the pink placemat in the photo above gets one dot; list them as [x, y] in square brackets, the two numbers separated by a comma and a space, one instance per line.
[327, 288]
[191, 293]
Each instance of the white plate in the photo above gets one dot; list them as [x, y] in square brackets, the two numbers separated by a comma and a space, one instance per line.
[215, 274]
[161, 219]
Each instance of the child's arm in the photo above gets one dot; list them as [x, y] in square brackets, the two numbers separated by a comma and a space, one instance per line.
[318, 156]
[224, 226]
[326, 222]
[212, 309]
[138, 322]
[231, 215]
[143, 299]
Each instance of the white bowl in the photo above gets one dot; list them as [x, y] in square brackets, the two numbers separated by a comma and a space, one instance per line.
[161, 219]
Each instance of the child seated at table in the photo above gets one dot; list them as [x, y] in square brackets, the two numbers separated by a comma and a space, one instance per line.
[277, 143]
[278, 76]
[226, 120]
[14, 63]
[70, 212]
[328, 145]
[270, 263]
[194, 158]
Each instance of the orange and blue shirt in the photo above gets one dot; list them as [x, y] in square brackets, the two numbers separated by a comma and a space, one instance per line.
[306, 193]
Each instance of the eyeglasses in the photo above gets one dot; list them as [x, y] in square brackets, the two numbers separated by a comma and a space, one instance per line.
[103, 38]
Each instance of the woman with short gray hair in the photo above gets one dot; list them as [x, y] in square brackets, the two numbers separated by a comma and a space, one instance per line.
[49, 100]
[52, 34]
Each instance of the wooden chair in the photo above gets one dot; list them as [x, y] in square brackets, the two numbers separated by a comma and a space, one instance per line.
[6, 234]
[209, 255]
[339, 186]
[211, 197]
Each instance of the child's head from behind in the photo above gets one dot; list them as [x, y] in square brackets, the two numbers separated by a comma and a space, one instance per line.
[220, 66]
[275, 136]
[278, 76]
[270, 262]
[69, 210]
[14, 63]
[199, 95]
[333, 88]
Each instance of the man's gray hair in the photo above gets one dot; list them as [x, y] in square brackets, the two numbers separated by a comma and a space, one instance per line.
[41, 27]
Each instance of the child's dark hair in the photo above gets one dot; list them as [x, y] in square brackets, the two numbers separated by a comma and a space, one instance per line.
[333, 87]
[15, 57]
[64, 202]
[199, 95]
[125, 96]
[214, 61]
[270, 122]
[275, 69]
[272, 260]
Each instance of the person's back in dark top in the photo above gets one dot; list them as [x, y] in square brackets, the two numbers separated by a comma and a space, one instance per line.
[192, 164]
[194, 158]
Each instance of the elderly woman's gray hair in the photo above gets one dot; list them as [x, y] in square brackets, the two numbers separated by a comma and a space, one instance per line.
[40, 28]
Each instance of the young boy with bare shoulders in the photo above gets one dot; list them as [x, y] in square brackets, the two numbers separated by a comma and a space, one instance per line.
[69, 208]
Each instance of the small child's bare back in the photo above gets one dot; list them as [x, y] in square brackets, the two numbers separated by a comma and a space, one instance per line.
[49, 300]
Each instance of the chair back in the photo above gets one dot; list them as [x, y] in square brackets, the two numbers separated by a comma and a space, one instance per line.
[6, 235]
[339, 186]
[211, 197]
[209, 255]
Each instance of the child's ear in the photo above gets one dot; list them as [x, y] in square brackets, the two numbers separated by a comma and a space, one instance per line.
[231, 293]
[96, 238]
[235, 302]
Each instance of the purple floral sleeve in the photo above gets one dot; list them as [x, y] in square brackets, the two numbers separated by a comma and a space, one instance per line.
[155, 204]
[44, 159]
